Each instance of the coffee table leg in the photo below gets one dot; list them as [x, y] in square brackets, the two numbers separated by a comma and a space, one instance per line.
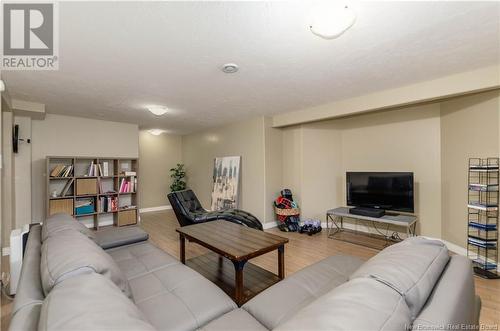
[238, 286]
[182, 248]
[281, 261]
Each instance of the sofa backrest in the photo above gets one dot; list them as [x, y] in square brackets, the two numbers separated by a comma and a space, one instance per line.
[66, 253]
[360, 304]
[284, 299]
[70, 253]
[90, 302]
[64, 222]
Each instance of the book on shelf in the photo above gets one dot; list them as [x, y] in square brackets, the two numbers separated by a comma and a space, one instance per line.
[480, 206]
[108, 204]
[482, 243]
[61, 170]
[129, 173]
[483, 187]
[481, 226]
[127, 207]
[105, 169]
[480, 167]
[56, 170]
[90, 171]
[66, 187]
[94, 170]
[485, 265]
[127, 185]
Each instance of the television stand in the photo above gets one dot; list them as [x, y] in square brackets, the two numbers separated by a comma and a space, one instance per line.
[335, 225]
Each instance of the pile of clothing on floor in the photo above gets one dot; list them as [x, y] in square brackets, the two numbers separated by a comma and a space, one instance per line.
[288, 215]
[287, 212]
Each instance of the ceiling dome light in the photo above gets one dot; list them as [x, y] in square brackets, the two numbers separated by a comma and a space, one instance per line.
[331, 20]
[156, 132]
[230, 68]
[157, 110]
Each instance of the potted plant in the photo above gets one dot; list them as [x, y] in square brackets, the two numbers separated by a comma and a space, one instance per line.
[178, 175]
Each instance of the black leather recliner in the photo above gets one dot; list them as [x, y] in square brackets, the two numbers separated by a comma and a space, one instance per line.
[189, 211]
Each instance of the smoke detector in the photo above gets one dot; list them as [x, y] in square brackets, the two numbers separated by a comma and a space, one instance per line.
[230, 68]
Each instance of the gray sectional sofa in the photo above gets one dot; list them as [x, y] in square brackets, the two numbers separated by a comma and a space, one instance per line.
[69, 282]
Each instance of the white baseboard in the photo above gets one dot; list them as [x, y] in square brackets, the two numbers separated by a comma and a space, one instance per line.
[362, 228]
[451, 246]
[6, 251]
[150, 209]
[269, 225]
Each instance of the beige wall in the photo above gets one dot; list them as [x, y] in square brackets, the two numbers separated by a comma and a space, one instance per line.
[434, 141]
[157, 155]
[68, 136]
[292, 163]
[321, 168]
[273, 140]
[311, 165]
[245, 139]
[469, 128]
[22, 171]
[398, 140]
[8, 200]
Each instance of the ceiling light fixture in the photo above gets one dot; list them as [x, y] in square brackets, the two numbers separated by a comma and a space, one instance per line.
[157, 110]
[156, 132]
[230, 68]
[331, 20]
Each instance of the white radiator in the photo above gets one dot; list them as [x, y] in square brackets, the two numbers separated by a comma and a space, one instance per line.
[18, 238]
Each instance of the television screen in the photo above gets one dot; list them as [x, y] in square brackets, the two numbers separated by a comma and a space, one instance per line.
[382, 190]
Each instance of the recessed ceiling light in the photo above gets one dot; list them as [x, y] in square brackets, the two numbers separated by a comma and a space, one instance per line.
[230, 68]
[331, 20]
[156, 132]
[157, 110]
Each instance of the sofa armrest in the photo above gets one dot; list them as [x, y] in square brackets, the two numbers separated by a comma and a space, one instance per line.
[116, 237]
[453, 300]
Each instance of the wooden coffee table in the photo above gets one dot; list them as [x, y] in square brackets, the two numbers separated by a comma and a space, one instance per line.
[238, 244]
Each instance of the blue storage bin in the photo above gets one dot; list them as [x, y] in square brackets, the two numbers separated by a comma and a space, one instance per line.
[85, 210]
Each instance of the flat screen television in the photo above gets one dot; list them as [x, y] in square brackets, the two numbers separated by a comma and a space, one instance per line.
[381, 190]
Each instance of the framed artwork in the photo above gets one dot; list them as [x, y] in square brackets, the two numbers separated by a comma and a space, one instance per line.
[226, 179]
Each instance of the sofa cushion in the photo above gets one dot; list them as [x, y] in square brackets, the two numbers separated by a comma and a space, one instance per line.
[360, 304]
[235, 320]
[116, 237]
[411, 268]
[141, 258]
[282, 300]
[70, 254]
[63, 222]
[192, 300]
[90, 302]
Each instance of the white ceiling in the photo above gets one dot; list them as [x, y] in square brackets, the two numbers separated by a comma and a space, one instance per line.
[118, 57]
